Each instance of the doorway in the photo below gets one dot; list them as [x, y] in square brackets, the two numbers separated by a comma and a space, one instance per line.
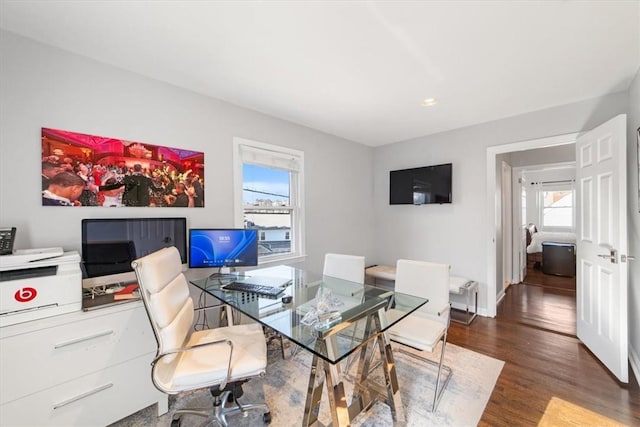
[494, 244]
[540, 207]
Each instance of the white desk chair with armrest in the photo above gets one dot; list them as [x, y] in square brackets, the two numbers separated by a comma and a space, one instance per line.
[424, 328]
[220, 359]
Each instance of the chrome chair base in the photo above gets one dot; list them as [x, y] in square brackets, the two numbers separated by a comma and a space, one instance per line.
[221, 410]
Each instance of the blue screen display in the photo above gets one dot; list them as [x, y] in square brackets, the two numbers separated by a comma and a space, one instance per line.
[223, 248]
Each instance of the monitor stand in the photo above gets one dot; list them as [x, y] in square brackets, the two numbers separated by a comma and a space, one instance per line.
[228, 274]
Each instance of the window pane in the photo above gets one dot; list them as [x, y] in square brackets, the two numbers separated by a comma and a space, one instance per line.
[264, 186]
[558, 209]
[275, 230]
[558, 217]
[558, 198]
[268, 188]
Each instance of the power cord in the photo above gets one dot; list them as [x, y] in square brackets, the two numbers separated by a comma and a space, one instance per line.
[201, 323]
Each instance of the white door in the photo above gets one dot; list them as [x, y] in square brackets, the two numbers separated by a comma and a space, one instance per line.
[601, 243]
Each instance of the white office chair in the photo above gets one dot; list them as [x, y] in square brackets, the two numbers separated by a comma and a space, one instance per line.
[424, 328]
[220, 359]
[345, 267]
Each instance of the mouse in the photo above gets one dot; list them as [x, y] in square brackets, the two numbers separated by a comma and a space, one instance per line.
[287, 299]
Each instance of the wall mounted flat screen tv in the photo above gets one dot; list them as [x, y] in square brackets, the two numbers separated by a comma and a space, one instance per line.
[230, 247]
[109, 245]
[421, 186]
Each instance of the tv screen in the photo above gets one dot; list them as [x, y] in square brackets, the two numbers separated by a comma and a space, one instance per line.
[109, 245]
[231, 247]
[420, 186]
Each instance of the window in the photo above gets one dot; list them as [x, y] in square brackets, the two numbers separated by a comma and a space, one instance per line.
[557, 209]
[268, 196]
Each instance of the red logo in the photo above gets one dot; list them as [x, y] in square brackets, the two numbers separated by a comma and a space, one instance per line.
[25, 294]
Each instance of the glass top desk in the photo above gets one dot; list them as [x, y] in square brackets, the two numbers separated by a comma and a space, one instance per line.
[357, 330]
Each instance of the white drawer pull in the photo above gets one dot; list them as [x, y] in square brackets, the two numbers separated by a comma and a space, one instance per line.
[82, 396]
[87, 338]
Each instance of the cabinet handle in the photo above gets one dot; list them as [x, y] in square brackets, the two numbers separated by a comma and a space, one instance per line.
[82, 396]
[87, 338]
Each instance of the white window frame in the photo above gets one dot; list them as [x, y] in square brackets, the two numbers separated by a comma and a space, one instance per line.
[273, 156]
[556, 187]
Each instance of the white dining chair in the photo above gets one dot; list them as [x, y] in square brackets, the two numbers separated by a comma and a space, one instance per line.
[345, 267]
[427, 326]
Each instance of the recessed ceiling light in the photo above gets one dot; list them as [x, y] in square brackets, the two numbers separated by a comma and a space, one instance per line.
[429, 102]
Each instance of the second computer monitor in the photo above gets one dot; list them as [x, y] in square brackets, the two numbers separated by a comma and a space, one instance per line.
[230, 247]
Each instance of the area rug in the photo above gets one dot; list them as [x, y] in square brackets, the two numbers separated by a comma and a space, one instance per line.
[285, 385]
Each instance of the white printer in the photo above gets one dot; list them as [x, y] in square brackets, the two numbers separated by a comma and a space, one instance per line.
[33, 289]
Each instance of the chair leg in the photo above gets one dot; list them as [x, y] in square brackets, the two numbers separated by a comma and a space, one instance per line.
[437, 395]
[439, 390]
[201, 412]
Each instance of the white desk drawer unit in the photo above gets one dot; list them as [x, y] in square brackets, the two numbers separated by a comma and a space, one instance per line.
[82, 368]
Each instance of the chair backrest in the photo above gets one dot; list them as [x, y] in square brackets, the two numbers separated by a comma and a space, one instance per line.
[165, 293]
[346, 267]
[424, 279]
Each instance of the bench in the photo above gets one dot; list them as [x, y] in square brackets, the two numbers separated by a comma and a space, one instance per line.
[384, 276]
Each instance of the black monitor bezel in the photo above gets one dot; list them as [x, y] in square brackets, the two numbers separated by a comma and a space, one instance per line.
[88, 221]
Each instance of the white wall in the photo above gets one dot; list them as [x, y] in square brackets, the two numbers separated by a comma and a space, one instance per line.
[46, 87]
[633, 123]
[541, 156]
[457, 233]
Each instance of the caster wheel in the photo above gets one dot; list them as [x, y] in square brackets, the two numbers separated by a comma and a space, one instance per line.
[176, 422]
[266, 418]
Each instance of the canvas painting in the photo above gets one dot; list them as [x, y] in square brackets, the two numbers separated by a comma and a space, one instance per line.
[89, 170]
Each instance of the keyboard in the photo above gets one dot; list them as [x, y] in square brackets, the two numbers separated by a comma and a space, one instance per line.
[267, 291]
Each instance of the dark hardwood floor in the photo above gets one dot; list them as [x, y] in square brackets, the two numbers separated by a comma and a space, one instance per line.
[543, 360]
[547, 308]
[535, 276]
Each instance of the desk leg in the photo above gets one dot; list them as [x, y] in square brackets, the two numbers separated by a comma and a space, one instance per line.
[314, 394]
[391, 378]
[335, 389]
[366, 391]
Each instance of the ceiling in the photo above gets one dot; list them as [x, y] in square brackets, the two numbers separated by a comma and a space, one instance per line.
[358, 70]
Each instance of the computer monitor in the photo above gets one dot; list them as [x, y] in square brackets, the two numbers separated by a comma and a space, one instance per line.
[230, 247]
[110, 244]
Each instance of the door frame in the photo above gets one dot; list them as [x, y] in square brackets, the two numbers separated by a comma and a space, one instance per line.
[493, 217]
[507, 224]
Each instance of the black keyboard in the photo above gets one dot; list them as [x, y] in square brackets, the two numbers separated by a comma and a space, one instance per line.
[268, 291]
